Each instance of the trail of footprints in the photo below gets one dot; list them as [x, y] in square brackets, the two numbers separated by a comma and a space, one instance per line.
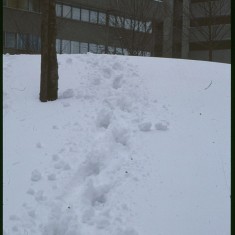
[102, 168]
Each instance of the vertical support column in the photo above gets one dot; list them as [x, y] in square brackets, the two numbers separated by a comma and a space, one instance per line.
[168, 28]
[185, 29]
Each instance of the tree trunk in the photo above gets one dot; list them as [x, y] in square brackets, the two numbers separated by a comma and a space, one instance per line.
[49, 65]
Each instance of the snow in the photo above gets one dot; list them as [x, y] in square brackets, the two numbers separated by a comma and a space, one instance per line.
[133, 146]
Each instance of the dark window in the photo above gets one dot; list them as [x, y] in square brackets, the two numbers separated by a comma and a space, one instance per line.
[66, 47]
[119, 51]
[58, 46]
[22, 4]
[21, 41]
[34, 5]
[93, 16]
[10, 40]
[34, 43]
[76, 14]
[101, 49]
[102, 18]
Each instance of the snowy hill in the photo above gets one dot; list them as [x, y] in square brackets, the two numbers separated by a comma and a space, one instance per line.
[133, 146]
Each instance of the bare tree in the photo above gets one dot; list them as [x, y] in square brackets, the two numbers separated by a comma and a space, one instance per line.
[216, 27]
[49, 65]
[204, 23]
[132, 23]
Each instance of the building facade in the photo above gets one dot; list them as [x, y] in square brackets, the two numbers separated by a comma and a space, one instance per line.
[170, 28]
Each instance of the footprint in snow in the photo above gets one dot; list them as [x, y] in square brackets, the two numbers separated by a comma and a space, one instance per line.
[145, 126]
[30, 191]
[62, 165]
[117, 82]
[39, 196]
[69, 61]
[107, 72]
[55, 157]
[96, 196]
[162, 125]
[69, 93]
[36, 176]
[104, 118]
[66, 105]
[117, 66]
[54, 127]
[32, 214]
[51, 177]
[121, 136]
[39, 145]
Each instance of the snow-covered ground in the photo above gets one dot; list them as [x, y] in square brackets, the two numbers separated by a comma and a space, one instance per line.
[133, 146]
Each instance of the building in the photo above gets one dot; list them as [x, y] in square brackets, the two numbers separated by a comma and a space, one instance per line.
[171, 28]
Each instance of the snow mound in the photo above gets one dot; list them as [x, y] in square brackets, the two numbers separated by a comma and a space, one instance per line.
[94, 162]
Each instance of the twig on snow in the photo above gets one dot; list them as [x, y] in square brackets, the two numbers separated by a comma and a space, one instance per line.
[208, 85]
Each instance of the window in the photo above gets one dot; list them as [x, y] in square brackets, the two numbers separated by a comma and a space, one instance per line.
[127, 24]
[10, 40]
[83, 47]
[58, 46]
[76, 14]
[34, 5]
[112, 20]
[93, 48]
[66, 47]
[21, 41]
[75, 47]
[111, 50]
[67, 11]
[93, 17]
[125, 51]
[135, 25]
[85, 15]
[58, 10]
[120, 21]
[149, 27]
[142, 26]
[119, 51]
[102, 18]
[101, 49]
[34, 43]
[146, 53]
